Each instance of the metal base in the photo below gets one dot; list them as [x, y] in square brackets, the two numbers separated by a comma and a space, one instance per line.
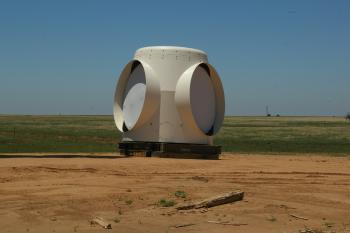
[169, 150]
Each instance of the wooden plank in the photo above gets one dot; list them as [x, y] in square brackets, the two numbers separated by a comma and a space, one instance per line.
[214, 201]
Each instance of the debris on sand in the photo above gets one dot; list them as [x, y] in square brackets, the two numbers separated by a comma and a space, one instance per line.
[214, 201]
[298, 217]
[228, 223]
[101, 222]
[184, 225]
[309, 230]
[200, 178]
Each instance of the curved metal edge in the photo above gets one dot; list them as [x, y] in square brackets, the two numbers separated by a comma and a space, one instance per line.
[219, 99]
[152, 96]
[183, 103]
[118, 96]
[182, 99]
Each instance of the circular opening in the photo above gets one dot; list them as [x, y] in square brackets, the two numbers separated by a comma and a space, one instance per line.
[134, 95]
[202, 99]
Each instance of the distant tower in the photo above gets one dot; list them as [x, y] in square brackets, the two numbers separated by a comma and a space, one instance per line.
[267, 111]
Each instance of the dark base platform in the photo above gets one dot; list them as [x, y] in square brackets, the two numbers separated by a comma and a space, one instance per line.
[169, 150]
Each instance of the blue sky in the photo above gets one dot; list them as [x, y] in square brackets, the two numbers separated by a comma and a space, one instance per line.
[65, 56]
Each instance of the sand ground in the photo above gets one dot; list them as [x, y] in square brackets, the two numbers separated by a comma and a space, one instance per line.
[64, 194]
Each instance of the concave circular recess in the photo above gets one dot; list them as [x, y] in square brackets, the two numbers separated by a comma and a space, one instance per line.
[199, 98]
[134, 96]
[202, 99]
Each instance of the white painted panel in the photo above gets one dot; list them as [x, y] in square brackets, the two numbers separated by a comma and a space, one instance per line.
[134, 96]
[202, 99]
[180, 102]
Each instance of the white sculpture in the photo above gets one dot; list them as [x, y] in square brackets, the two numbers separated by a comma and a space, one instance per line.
[169, 94]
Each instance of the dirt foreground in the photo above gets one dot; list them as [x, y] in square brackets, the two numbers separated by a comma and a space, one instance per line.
[64, 194]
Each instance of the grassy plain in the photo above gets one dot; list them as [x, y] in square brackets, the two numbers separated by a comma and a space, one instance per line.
[330, 135]
[285, 135]
[58, 134]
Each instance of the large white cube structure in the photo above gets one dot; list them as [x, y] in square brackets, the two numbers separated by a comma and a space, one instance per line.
[169, 101]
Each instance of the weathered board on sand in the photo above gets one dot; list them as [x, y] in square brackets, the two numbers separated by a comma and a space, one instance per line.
[214, 201]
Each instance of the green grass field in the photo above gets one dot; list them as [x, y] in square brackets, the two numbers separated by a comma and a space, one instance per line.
[285, 135]
[329, 135]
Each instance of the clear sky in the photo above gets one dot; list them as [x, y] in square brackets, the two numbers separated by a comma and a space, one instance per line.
[65, 56]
